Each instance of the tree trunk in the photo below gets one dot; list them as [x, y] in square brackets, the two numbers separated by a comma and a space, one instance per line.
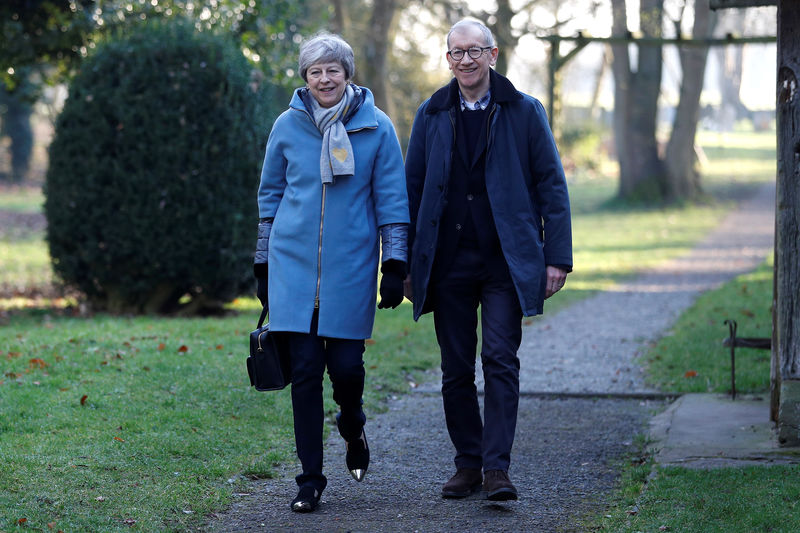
[730, 60]
[376, 46]
[594, 107]
[340, 22]
[636, 106]
[683, 178]
[503, 34]
[787, 249]
[621, 69]
[16, 124]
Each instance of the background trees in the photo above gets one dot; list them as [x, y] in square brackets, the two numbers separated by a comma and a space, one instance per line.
[400, 48]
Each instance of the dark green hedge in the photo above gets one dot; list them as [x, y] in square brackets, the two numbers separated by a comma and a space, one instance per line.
[151, 189]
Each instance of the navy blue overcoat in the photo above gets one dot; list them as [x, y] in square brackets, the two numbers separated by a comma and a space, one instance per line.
[525, 185]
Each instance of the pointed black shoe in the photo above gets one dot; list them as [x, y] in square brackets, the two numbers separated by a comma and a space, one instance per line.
[357, 457]
[307, 500]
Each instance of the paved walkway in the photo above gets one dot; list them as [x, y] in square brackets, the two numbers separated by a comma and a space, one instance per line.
[570, 428]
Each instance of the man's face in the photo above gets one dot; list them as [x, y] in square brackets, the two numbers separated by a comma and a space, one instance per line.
[472, 74]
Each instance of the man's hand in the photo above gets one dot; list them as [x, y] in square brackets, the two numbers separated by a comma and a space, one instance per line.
[408, 292]
[555, 280]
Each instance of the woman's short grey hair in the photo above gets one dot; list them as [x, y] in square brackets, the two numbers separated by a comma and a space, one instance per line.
[326, 47]
[487, 33]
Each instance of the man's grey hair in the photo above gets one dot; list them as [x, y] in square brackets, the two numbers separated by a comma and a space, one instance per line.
[461, 24]
[326, 47]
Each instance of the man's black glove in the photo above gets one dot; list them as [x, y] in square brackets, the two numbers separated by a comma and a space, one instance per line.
[260, 270]
[391, 290]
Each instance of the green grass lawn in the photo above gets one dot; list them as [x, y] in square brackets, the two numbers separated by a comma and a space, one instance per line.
[692, 359]
[108, 422]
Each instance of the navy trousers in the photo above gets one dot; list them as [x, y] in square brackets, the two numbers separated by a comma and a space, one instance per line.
[311, 354]
[471, 281]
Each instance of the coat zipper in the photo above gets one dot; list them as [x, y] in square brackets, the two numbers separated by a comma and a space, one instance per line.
[319, 247]
[322, 219]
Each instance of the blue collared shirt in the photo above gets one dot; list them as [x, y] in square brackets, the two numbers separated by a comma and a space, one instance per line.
[480, 105]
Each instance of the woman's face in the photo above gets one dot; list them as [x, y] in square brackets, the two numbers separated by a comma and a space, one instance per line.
[327, 82]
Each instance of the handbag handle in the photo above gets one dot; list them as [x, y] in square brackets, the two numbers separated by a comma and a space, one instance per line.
[264, 312]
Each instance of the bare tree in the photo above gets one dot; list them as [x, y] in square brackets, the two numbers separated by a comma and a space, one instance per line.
[636, 104]
[370, 27]
[683, 177]
[730, 59]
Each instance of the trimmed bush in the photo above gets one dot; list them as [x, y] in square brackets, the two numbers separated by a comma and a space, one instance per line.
[151, 190]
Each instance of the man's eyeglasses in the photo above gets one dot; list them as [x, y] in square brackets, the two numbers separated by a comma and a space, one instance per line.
[475, 52]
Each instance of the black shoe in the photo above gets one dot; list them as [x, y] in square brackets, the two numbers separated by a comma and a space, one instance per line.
[465, 482]
[357, 457]
[498, 486]
[307, 500]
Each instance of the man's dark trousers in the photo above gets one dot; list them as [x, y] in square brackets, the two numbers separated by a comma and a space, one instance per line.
[471, 280]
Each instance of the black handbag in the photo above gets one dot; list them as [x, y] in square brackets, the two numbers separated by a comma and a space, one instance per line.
[269, 365]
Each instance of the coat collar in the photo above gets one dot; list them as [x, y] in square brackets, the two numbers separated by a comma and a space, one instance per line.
[447, 97]
[363, 117]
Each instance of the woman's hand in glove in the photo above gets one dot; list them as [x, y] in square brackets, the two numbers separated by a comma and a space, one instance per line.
[260, 271]
[391, 289]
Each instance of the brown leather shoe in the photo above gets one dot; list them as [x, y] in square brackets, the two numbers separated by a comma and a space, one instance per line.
[498, 486]
[465, 482]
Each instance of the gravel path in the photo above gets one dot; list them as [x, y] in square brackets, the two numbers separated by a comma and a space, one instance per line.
[584, 400]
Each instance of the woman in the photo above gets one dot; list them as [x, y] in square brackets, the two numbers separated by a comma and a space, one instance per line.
[332, 180]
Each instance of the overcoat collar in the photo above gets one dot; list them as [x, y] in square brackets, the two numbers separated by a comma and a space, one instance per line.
[447, 97]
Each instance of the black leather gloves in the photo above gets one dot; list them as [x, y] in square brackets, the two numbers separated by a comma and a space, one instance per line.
[391, 289]
[260, 271]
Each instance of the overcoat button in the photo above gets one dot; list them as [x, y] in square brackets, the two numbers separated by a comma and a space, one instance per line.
[469, 197]
[458, 227]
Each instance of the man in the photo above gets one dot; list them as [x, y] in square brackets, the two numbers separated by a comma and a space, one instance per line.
[490, 226]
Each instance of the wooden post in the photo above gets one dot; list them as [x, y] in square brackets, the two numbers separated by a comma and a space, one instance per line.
[787, 214]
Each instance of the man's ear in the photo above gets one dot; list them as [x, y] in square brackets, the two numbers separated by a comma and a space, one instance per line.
[493, 56]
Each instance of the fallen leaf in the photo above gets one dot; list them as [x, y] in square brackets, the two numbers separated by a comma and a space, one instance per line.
[119, 439]
[690, 374]
[21, 521]
[51, 525]
[219, 346]
[37, 362]
[161, 346]
[663, 528]
[100, 499]
[129, 521]
[12, 355]
[183, 348]
[83, 399]
[369, 342]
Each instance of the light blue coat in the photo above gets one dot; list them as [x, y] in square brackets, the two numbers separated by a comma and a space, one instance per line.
[324, 242]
